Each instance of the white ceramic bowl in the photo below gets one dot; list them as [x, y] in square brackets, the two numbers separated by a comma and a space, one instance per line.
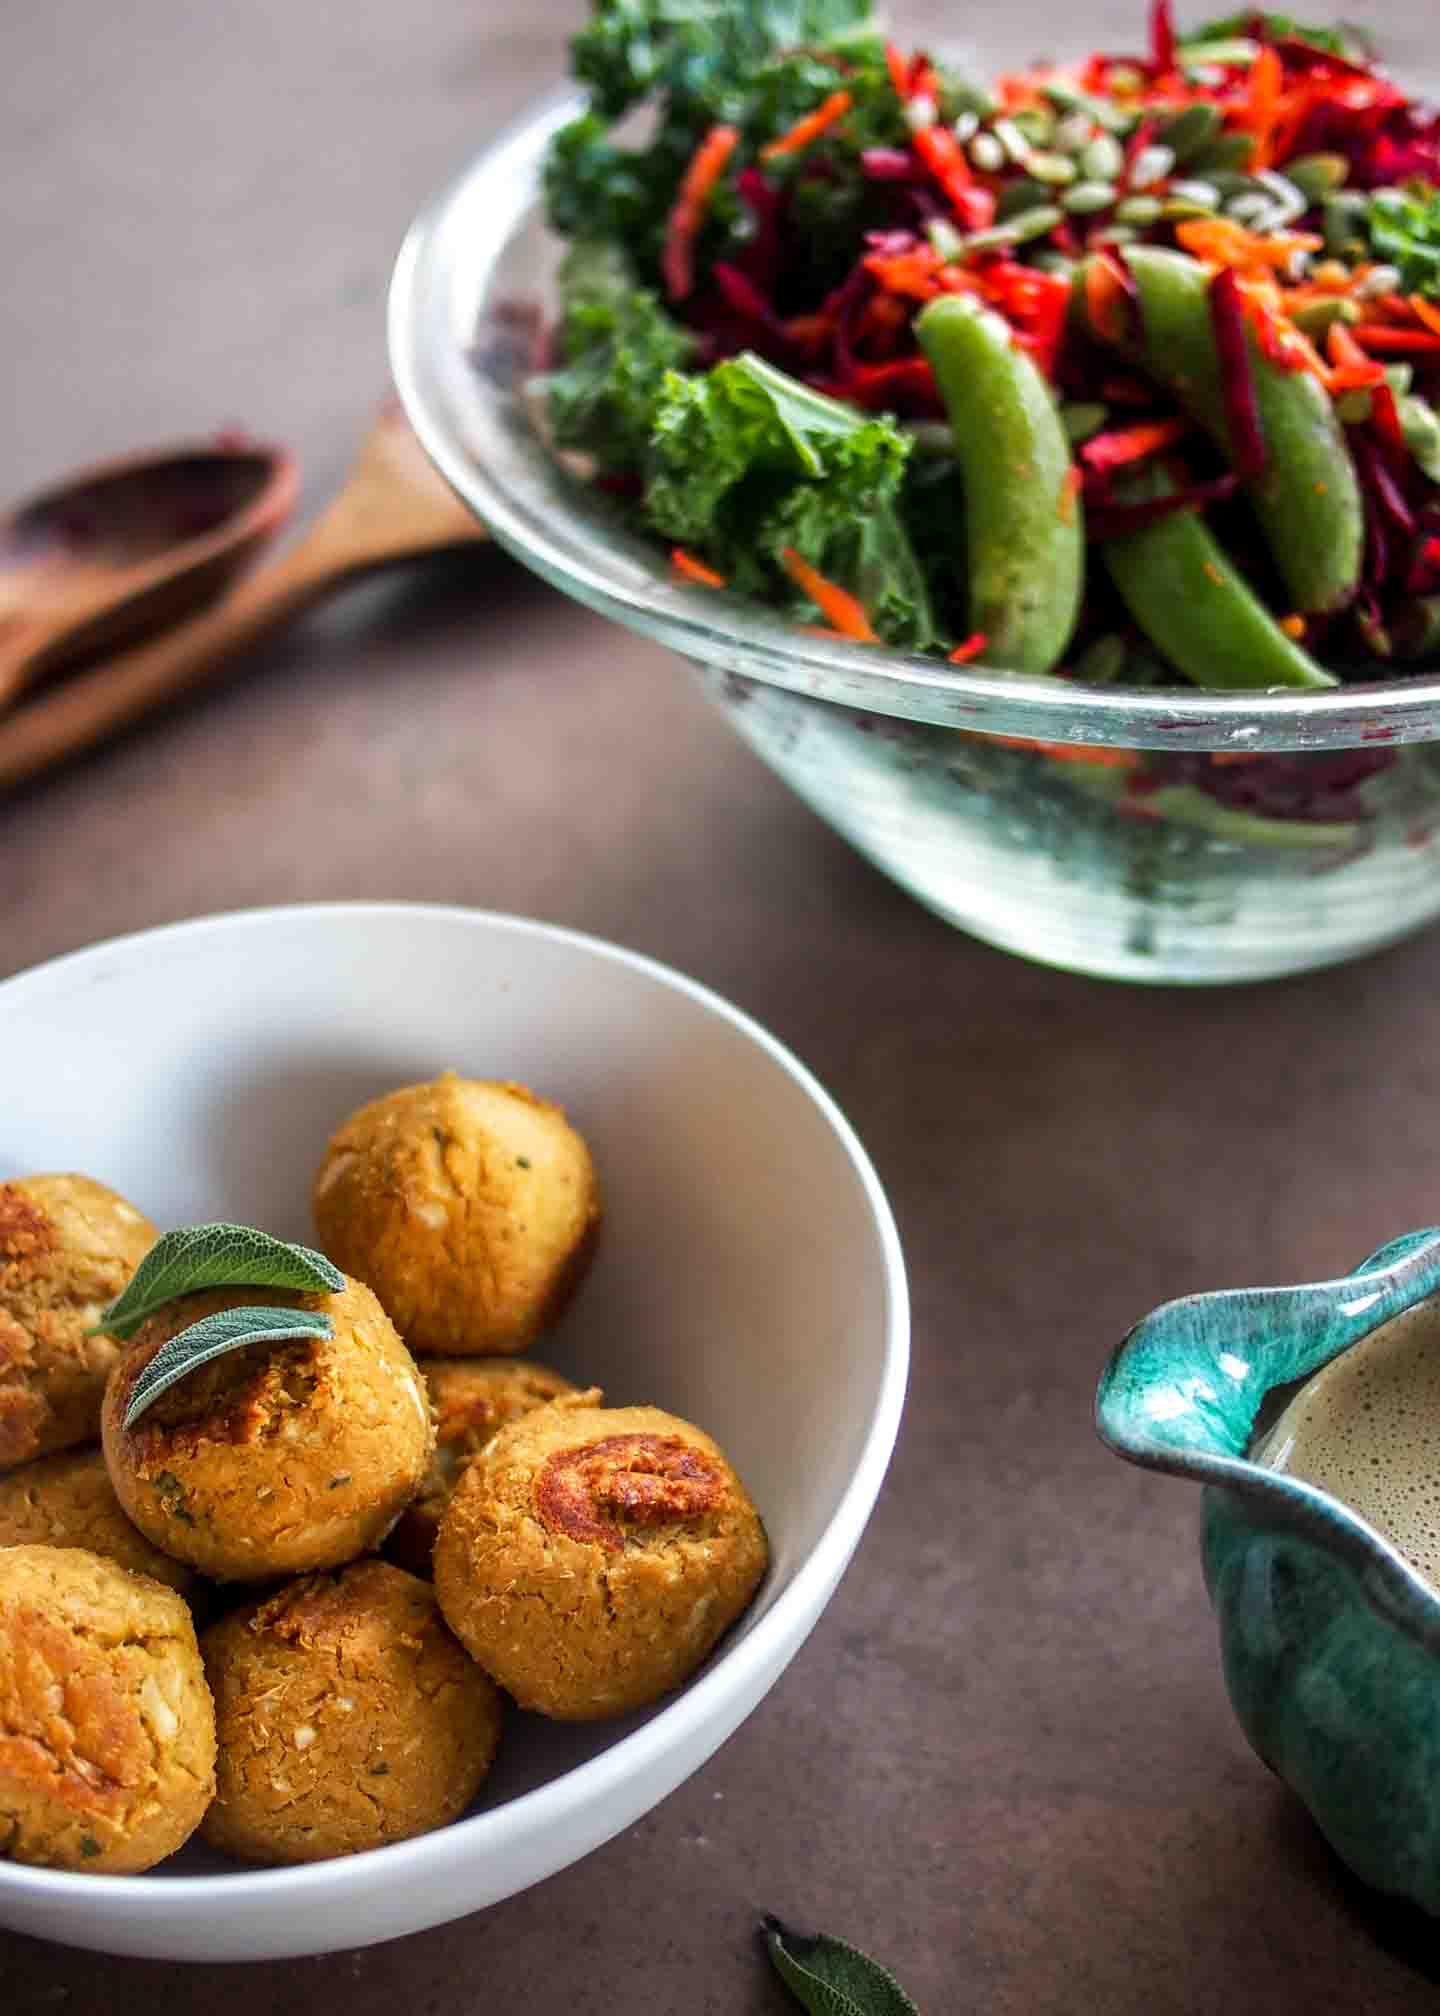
[749, 1278]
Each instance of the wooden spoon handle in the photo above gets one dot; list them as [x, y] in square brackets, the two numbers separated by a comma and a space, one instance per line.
[83, 710]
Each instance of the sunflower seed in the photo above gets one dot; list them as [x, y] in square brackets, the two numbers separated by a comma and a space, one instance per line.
[987, 153]
[966, 127]
[1379, 280]
[1036, 123]
[1248, 208]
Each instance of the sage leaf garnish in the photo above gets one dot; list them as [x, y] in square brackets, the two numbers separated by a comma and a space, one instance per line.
[215, 1256]
[829, 1978]
[212, 1337]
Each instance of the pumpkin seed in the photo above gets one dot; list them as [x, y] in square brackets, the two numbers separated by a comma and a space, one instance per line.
[1379, 280]
[1248, 208]
[966, 127]
[1072, 132]
[1151, 164]
[1017, 196]
[987, 153]
[1226, 151]
[1316, 175]
[1081, 418]
[1141, 210]
[1190, 130]
[1103, 159]
[1313, 318]
[1011, 139]
[1036, 123]
[1204, 195]
[1086, 199]
[1054, 169]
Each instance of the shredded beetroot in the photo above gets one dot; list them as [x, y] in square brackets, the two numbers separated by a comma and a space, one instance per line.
[1114, 521]
[888, 164]
[1237, 380]
[1378, 485]
[1424, 575]
[743, 295]
[1162, 38]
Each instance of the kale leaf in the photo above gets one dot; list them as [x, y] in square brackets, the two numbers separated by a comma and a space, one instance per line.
[616, 345]
[1404, 227]
[746, 461]
[702, 52]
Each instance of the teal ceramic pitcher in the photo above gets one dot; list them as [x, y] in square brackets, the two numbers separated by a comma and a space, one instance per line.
[1330, 1639]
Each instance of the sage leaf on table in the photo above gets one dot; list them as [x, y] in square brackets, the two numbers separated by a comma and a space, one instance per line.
[215, 1256]
[829, 1978]
[212, 1337]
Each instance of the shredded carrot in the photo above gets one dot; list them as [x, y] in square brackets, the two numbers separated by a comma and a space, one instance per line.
[691, 569]
[1262, 108]
[913, 275]
[707, 166]
[1426, 312]
[972, 647]
[1120, 445]
[1072, 752]
[1293, 626]
[1069, 491]
[810, 128]
[899, 68]
[1387, 339]
[844, 610]
[1220, 241]
[945, 158]
[1107, 299]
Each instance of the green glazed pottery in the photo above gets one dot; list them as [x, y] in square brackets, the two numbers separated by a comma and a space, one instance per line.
[1330, 1639]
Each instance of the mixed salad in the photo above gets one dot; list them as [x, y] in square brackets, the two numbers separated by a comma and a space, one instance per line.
[1123, 370]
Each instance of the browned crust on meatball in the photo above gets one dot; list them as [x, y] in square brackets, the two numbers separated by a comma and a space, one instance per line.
[67, 1500]
[591, 1557]
[273, 1459]
[107, 1735]
[637, 1480]
[348, 1717]
[68, 1245]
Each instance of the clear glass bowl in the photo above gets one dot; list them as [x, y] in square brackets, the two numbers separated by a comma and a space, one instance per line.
[1063, 860]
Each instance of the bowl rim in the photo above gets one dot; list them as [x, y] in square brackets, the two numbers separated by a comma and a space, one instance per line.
[446, 266]
[1160, 1404]
[674, 1727]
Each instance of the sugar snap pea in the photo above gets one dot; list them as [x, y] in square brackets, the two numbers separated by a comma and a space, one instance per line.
[1024, 538]
[1195, 608]
[1308, 498]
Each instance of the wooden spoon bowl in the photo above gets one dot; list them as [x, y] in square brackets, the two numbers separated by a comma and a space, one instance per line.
[130, 547]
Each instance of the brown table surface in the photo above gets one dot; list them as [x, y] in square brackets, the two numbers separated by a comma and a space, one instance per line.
[1005, 1760]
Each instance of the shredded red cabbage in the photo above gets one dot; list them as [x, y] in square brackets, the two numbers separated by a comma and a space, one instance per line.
[1237, 380]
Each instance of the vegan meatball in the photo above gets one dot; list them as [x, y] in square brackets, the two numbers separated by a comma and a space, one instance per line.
[591, 1556]
[67, 1247]
[470, 1207]
[471, 1399]
[348, 1717]
[277, 1458]
[67, 1500]
[107, 1733]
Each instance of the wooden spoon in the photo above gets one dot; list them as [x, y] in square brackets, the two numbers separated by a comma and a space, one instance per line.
[393, 507]
[130, 547]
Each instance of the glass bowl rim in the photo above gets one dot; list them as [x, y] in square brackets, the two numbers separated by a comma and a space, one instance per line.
[446, 269]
